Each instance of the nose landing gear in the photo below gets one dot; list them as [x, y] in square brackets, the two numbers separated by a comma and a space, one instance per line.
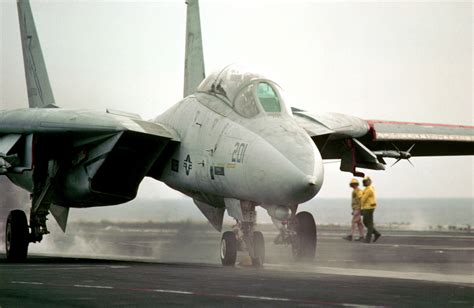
[299, 232]
[258, 249]
[243, 238]
[232, 243]
[229, 248]
[303, 242]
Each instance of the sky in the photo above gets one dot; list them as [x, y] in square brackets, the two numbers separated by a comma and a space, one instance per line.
[396, 60]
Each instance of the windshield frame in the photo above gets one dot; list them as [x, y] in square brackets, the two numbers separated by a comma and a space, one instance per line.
[261, 110]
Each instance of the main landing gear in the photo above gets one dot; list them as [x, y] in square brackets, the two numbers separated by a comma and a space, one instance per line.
[16, 236]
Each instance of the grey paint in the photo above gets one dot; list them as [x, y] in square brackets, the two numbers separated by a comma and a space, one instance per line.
[194, 71]
[423, 132]
[39, 89]
[62, 121]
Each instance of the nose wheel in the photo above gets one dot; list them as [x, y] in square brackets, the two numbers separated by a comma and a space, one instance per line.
[231, 243]
[299, 232]
[16, 236]
[303, 242]
[228, 248]
[258, 249]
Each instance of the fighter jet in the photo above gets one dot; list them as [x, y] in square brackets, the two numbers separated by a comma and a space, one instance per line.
[231, 144]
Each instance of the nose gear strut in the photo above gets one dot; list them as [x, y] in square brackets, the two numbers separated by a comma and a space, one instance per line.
[243, 238]
[299, 231]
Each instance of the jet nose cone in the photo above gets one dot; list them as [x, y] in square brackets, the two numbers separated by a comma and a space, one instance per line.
[307, 159]
[275, 178]
[307, 175]
[284, 167]
[309, 186]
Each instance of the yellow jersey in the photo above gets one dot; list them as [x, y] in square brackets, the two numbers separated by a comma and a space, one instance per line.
[368, 199]
[356, 199]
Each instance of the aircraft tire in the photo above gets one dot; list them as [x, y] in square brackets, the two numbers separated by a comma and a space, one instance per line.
[16, 236]
[305, 247]
[228, 248]
[259, 248]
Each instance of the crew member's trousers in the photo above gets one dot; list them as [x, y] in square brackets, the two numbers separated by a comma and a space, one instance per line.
[368, 219]
[357, 224]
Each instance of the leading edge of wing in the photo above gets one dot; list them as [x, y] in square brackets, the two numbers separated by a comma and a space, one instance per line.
[412, 131]
[63, 121]
[334, 124]
[341, 126]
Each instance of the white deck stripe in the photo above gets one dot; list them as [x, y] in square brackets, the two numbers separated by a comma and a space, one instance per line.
[90, 286]
[47, 268]
[173, 291]
[464, 279]
[27, 282]
[180, 292]
[264, 298]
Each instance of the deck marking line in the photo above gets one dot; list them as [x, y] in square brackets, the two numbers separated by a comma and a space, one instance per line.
[173, 291]
[264, 298]
[378, 273]
[251, 297]
[49, 268]
[224, 295]
[27, 282]
[90, 286]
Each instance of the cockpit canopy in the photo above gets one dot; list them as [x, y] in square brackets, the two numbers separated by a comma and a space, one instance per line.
[247, 93]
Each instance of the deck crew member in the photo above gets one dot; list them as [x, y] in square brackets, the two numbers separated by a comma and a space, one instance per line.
[356, 212]
[368, 205]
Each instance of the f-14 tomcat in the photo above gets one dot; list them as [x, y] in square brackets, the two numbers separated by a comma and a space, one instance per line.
[233, 143]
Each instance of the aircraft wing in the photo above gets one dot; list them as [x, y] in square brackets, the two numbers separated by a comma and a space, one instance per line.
[365, 143]
[77, 122]
[107, 153]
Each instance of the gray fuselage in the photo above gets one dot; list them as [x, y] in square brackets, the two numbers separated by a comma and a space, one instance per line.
[266, 159]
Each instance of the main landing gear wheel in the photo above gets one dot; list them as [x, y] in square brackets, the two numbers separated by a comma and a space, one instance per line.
[228, 248]
[259, 249]
[16, 236]
[304, 247]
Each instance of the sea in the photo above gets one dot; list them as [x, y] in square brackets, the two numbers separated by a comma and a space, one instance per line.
[413, 214]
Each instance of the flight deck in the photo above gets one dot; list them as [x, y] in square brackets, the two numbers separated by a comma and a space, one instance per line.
[177, 266]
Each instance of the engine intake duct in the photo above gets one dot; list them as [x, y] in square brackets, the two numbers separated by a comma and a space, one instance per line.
[112, 170]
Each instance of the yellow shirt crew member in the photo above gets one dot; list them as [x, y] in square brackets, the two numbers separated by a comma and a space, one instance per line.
[356, 223]
[369, 203]
[368, 200]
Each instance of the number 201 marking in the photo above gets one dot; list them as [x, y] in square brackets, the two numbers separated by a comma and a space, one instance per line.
[239, 152]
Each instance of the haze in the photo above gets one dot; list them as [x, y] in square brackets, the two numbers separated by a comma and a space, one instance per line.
[399, 61]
